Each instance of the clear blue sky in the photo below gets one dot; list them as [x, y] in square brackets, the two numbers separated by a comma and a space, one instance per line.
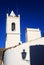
[31, 12]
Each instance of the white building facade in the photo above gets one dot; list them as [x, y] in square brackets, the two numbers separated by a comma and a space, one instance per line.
[14, 54]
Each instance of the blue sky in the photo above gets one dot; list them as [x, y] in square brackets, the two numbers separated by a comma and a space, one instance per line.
[31, 12]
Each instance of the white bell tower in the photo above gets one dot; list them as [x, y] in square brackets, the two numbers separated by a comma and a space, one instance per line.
[12, 30]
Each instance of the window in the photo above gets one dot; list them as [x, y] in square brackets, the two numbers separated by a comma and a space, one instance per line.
[13, 26]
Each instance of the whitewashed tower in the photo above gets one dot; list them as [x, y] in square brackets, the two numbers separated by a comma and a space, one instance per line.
[13, 55]
[12, 30]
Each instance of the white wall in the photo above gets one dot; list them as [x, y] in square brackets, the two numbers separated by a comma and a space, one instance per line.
[32, 34]
[12, 40]
[9, 21]
[13, 56]
[13, 37]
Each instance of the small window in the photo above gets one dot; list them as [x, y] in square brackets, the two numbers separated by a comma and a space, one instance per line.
[13, 26]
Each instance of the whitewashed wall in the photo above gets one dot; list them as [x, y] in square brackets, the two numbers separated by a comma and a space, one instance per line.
[32, 34]
[13, 56]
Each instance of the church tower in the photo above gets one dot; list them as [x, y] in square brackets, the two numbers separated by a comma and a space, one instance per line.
[12, 30]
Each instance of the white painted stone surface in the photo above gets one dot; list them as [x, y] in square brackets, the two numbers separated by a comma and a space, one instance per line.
[9, 21]
[13, 56]
[32, 34]
[12, 40]
[13, 37]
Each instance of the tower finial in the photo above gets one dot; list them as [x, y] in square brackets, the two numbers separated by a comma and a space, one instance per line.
[12, 13]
